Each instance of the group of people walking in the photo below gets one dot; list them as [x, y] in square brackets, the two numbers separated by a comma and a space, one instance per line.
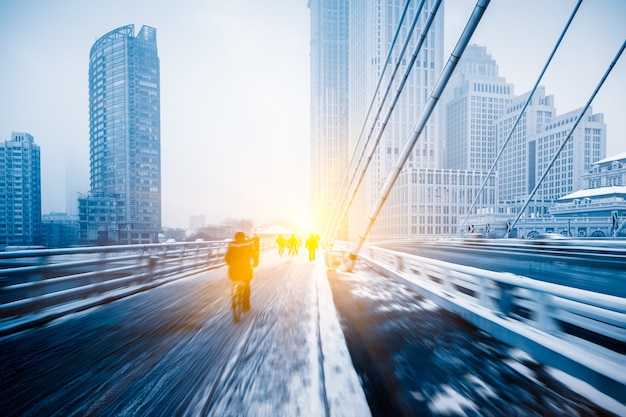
[294, 242]
[242, 256]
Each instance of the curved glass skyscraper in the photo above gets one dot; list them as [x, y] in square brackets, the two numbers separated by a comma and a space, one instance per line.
[124, 205]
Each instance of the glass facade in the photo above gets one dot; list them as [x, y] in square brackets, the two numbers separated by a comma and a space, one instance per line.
[125, 135]
[20, 191]
[329, 104]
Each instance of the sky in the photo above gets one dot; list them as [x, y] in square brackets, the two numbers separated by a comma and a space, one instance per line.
[235, 89]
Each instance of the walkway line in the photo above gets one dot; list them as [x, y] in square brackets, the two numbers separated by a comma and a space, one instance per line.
[345, 396]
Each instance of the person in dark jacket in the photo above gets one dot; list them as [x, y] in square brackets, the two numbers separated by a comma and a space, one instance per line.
[240, 257]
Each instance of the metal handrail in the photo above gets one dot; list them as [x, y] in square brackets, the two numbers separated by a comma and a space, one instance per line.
[580, 332]
[37, 286]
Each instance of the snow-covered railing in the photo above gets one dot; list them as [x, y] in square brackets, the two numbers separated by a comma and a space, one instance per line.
[548, 307]
[578, 331]
[37, 286]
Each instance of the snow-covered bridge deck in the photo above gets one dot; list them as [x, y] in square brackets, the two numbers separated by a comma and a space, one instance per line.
[175, 350]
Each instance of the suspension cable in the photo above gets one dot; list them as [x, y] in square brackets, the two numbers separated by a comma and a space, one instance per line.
[564, 142]
[330, 228]
[432, 101]
[519, 116]
[346, 202]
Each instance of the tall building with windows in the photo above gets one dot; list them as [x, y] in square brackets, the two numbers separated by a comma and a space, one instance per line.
[477, 96]
[373, 24]
[124, 203]
[20, 191]
[329, 104]
[534, 144]
[585, 147]
[517, 168]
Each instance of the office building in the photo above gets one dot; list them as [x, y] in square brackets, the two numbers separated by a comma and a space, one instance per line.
[597, 211]
[60, 230]
[20, 191]
[585, 147]
[373, 25]
[329, 105]
[517, 168]
[528, 164]
[477, 96]
[124, 202]
[197, 222]
[534, 144]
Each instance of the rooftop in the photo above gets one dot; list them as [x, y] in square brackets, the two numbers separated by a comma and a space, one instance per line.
[596, 192]
[617, 157]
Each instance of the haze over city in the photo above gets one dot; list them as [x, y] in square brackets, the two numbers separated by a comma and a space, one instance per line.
[235, 90]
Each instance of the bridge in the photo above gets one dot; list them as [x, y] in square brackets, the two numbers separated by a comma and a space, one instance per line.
[148, 330]
[461, 327]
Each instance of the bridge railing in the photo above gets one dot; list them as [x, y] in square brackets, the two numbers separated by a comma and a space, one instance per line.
[552, 308]
[37, 286]
[580, 332]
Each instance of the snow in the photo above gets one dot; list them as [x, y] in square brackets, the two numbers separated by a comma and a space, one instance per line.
[617, 157]
[429, 305]
[449, 402]
[591, 361]
[589, 392]
[596, 192]
[394, 307]
[480, 387]
[344, 393]
[522, 370]
[521, 356]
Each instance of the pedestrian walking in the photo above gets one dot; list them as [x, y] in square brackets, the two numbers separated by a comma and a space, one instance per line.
[312, 245]
[280, 241]
[293, 245]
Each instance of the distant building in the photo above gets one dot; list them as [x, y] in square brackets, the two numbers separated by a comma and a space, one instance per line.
[586, 146]
[477, 97]
[600, 209]
[435, 202]
[60, 230]
[20, 191]
[517, 167]
[197, 222]
[124, 203]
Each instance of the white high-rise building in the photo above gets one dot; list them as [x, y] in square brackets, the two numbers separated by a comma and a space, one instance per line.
[532, 147]
[517, 171]
[329, 104]
[197, 222]
[373, 24]
[477, 96]
[585, 147]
